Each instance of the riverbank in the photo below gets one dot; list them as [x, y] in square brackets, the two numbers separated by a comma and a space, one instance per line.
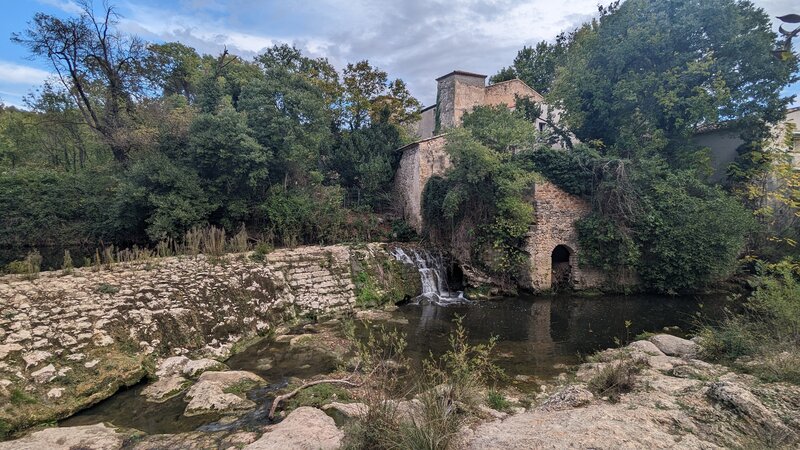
[68, 341]
[671, 400]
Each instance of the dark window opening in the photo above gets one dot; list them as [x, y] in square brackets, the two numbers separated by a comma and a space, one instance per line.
[562, 271]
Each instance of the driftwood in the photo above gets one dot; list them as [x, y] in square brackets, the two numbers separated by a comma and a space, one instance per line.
[287, 396]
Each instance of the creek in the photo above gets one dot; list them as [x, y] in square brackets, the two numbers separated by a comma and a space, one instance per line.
[539, 337]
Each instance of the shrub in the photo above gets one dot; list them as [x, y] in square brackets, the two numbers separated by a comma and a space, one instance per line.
[498, 401]
[615, 378]
[67, 266]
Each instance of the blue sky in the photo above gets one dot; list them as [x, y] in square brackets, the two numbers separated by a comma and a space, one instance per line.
[416, 40]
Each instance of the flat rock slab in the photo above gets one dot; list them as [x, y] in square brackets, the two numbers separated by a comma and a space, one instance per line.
[209, 394]
[305, 428]
[165, 388]
[89, 437]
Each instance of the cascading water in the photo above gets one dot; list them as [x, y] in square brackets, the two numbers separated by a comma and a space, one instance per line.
[433, 276]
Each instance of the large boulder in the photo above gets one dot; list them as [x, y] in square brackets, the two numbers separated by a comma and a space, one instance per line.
[674, 346]
[305, 428]
[89, 437]
[172, 366]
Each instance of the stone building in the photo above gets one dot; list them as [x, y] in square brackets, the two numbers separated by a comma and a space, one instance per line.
[552, 240]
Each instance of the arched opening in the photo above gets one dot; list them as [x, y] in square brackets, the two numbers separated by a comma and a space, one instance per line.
[561, 268]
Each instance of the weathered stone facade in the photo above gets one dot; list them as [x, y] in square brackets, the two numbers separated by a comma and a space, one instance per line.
[459, 92]
[67, 341]
[556, 212]
[420, 161]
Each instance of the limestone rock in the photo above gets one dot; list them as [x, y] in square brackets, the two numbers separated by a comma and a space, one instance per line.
[209, 395]
[33, 359]
[45, 374]
[674, 346]
[749, 406]
[305, 428]
[208, 398]
[567, 398]
[165, 388]
[646, 347]
[90, 437]
[347, 410]
[55, 393]
[172, 366]
[7, 349]
[194, 368]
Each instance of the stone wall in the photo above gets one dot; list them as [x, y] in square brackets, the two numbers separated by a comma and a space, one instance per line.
[458, 93]
[67, 341]
[420, 161]
[556, 212]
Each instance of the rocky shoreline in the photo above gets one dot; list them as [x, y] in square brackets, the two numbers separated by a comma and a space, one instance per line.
[675, 401]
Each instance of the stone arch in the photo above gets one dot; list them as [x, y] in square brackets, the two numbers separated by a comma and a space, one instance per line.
[562, 264]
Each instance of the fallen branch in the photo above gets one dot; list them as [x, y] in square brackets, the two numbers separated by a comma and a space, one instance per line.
[284, 397]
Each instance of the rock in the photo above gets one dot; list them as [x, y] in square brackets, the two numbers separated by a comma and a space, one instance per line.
[301, 339]
[305, 428]
[55, 393]
[194, 368]
[491, 413]
[748, 406]
[208, 398]
[567, 398]
[172, 366]
[209, 395]
[165, 388]
[90, 437]
[92, 363]
[674, 346]
[346, 410]
[7, 349]
[33, 359]
[45, 374]
[646, 347]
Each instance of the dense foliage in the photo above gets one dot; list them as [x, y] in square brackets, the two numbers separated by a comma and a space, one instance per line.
[634, 86]
[137, 142]
[482, 207]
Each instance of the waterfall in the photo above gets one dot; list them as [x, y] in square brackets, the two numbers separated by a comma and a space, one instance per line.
[433, 275]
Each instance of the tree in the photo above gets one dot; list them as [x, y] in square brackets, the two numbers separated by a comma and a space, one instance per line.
[536, 66]
[648, 74]
[99, 66]
[368, 91]
[173, 68]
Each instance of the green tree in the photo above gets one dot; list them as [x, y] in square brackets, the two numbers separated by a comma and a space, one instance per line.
[536, 66]
[368, 92]
[647, 74]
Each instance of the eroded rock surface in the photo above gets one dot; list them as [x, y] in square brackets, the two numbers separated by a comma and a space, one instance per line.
[221, 392]
[90, 437]
[305, 428]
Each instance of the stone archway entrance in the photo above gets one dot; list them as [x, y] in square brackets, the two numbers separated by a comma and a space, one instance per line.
[561, 267]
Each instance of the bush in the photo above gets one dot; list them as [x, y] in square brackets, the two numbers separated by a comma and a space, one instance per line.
[615, 378]
[498, 401]
[763, 339]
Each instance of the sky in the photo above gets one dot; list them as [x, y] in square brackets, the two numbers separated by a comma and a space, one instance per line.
[416, 40]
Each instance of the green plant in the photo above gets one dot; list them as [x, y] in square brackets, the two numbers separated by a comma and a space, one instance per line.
[319, 395]
[367, 292]
[260, 252]
[19, 397]
[496, 400]
[104, 288]
[67, 266]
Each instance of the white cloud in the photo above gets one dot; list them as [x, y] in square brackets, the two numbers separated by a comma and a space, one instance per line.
[12, 73]
[68, 6]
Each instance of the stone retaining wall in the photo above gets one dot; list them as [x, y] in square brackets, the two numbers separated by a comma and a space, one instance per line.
[67, 341]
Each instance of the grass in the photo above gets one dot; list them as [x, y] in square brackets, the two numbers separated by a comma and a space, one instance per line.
[496, 400]
[320, 395]
[240, 388]
[105, 288]
[614, 379]
[19, 397]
